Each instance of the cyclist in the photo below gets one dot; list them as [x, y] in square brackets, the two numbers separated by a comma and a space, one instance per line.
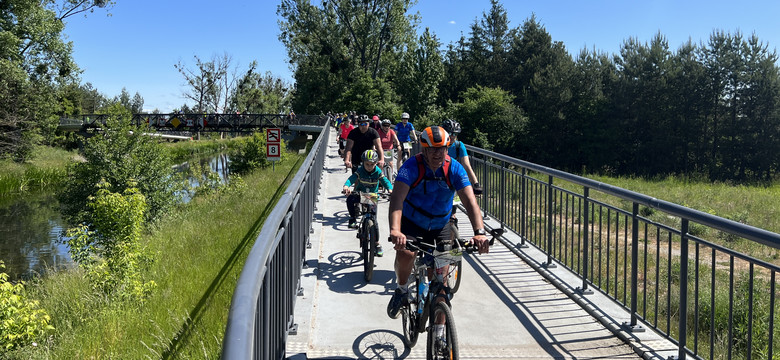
[344, 129]
[376, 124]
[389, 142]
[458, 152]
[405, 132]
[421, 204]
[367, 178]
[359, 140]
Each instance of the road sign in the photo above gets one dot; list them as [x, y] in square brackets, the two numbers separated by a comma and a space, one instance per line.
[273, 135]
[273, 152]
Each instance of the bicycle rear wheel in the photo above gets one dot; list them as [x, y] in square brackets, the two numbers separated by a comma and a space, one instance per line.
[369, 249]
[445, 347]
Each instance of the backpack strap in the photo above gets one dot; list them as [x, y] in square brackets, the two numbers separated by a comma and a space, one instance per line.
[421, 170]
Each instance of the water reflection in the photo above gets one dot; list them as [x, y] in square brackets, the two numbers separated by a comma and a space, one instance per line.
[31, 239]
[209, 171]
[31, 228]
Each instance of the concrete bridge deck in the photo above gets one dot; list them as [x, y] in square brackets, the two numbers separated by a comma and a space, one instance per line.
[505, 308]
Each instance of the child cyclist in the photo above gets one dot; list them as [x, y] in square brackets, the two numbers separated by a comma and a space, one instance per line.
[367, 178]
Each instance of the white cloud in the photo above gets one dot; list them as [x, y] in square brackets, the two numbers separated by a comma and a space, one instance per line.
[452, 22]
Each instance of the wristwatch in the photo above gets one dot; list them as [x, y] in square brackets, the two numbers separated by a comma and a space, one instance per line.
[479, 232]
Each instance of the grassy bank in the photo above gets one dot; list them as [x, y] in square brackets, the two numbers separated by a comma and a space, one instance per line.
[44, 171]
[200, 249]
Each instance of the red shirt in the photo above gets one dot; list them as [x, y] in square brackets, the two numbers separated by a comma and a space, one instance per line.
[346, 127]
[387, 139]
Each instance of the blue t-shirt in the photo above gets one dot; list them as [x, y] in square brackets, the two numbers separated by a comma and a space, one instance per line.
[428, 205]
[402, 132]
[457, 150]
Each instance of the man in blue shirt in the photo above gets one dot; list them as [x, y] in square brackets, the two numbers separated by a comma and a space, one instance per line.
[405, 133]
[420, 206]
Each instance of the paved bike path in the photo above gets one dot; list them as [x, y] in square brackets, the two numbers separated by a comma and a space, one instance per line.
[503, 310]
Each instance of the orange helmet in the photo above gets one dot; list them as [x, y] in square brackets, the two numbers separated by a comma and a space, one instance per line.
[434, 136]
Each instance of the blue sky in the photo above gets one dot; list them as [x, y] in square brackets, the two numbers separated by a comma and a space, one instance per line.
[139, 44]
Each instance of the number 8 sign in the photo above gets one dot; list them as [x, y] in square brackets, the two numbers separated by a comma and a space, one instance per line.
[272, 152]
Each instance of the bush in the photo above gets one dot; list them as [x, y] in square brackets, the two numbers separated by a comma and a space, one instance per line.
[250, 154]
[21, 321]
[111, 254]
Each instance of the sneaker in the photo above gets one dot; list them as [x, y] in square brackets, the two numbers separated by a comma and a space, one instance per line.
[352, 224]
[398, 300]
[379, 251]
[440, 345]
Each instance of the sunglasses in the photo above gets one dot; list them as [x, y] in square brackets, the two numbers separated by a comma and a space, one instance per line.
[386, 125]
[363, 123]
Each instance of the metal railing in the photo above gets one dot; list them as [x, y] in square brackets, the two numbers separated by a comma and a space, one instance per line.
[673, 268]
[261, 312]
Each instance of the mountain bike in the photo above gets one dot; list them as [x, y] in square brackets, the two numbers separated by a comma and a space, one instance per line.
[388, 168]
[430, 301]
[368, 232]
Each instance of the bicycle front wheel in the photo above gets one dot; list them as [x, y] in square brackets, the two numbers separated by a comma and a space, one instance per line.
[369, 249]
[446, 346]
[456, 273]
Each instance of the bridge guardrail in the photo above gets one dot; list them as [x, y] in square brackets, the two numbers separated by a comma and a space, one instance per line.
[261, 312]
[631, 247]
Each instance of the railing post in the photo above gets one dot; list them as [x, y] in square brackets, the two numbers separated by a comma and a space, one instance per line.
[634, 268]
[586, 205]
[550, 264]
[502, 201]
[523, 209]
[683, 331]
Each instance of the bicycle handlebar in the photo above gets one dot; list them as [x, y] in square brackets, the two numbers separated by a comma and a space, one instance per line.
[414, 244]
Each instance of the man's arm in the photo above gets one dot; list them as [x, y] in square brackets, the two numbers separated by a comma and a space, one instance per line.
[400, 190]
[348, 153]
[475, 217]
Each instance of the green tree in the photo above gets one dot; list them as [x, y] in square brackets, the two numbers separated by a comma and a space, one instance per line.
[119, 156]
[370, 96]
[541, 72]
[34, 58]
[421, 72]
[333, 46]
[490, 120]
[137, 104]
[261, 94]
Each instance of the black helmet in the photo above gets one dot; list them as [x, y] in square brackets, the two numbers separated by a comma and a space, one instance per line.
[451, 126]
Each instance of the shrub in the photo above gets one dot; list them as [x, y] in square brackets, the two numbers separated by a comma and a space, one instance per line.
[111, 254]
[250, 154]
[21, 321]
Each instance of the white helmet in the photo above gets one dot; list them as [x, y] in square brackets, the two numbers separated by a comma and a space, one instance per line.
[405, 116]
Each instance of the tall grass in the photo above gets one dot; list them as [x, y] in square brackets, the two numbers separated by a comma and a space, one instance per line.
[200, 249]
[46, 170]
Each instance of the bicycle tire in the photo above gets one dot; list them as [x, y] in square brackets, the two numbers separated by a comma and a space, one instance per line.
[409, 318]
[455, 276]
[451, 335]
[412, 321]
[369, 249]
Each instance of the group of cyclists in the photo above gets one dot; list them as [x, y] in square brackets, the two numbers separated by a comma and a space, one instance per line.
[421, 197]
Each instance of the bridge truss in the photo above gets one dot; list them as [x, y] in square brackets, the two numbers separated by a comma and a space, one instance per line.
[209, 122]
